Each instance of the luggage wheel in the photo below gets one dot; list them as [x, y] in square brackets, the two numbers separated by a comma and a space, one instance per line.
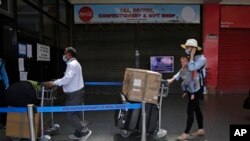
[125, 133]
[160, 134]
[55, 130]
[45, 138]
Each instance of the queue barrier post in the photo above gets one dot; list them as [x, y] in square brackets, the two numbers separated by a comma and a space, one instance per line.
[31, 122]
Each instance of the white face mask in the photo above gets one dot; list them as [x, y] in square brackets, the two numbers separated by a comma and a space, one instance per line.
[64, 58]
[187, 51]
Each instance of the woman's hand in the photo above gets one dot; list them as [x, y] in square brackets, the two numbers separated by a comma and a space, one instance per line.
[170, 80]
[193, 51]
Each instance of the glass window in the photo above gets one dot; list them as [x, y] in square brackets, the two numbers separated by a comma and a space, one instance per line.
[62, 11]
[50, 30]
[27, 17]
[50, 6]
[64, 37]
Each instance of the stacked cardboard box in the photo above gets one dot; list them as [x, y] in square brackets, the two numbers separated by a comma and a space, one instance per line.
[18, 125]
[141, 85]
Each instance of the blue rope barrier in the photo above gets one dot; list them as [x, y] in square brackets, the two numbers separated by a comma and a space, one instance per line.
[89, 108]
[103, 83]
[13, 110]
[74, 108]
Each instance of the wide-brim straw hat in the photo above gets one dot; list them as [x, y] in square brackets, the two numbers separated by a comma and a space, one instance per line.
[192, 43]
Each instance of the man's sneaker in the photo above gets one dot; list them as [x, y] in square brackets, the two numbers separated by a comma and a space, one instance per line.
[82, 138]
[86, 136]
[199, 132]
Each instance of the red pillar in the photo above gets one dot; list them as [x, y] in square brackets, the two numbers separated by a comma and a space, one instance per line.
[211, 28]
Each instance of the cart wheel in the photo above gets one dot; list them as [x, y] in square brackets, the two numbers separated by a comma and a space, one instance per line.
[45, 138]
[161, 134]
[55, 129]
[125, 133]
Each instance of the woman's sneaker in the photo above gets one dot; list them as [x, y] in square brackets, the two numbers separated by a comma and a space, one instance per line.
[199, 132]
[183, 137]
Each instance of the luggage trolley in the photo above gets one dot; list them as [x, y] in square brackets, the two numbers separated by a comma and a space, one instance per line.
[162, 133]
[48, 94]
[133, 116]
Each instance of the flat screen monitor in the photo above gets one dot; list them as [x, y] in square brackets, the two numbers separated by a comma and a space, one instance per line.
[162, 64]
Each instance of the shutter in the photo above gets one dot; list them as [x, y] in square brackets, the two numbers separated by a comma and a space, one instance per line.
[234, 60]
[105, 50]
[165, 40]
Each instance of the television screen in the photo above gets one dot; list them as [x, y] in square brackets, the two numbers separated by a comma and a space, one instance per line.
[162, 64]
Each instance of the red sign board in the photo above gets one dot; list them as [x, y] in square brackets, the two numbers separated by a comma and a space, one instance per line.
[235, 16]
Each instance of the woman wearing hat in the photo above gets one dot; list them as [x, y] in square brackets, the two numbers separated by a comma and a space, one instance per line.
[197, 63]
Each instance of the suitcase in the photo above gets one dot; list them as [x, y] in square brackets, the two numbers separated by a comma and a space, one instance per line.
[152, 117]
[126, 119]
[131, 119]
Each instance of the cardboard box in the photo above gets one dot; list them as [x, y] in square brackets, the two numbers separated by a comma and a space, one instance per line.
[141, 85]
[18, 125]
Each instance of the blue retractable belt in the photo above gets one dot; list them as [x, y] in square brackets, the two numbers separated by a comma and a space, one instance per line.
[88, 108]
[103, 83]
[75, 108]
[13, 110]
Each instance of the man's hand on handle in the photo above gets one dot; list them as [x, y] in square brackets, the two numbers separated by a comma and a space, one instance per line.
[49, 84]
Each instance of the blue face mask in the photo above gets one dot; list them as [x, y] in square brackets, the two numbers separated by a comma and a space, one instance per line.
[187, 52]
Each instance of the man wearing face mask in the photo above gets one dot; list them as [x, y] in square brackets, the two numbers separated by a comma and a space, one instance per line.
[4, 84]
[197, 63]
[72, 84]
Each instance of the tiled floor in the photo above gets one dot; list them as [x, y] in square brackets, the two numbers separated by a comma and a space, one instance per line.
[219, 112]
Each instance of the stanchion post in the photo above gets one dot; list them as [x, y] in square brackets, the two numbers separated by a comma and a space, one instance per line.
[31, 122]
[143, 133]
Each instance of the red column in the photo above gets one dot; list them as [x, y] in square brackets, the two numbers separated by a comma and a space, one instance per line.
[211, 26]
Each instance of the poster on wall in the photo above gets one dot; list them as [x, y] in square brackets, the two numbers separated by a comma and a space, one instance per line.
[43, 52]
[162, 64]
[135, 13]
[22, 50]
[29, 50]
